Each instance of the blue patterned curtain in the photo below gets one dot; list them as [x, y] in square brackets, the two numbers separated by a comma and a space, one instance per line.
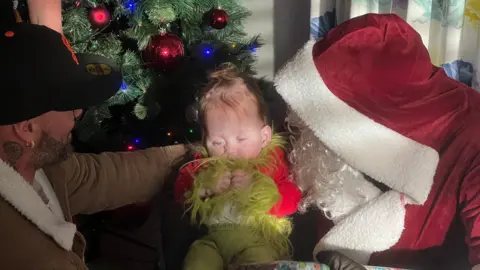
[450, 29]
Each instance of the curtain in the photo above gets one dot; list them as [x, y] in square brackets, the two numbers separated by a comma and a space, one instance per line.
[450, 29]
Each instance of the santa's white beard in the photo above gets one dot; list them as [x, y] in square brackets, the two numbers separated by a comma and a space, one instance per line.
[318, 171]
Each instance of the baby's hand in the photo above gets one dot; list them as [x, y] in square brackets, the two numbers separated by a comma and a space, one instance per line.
[240, 179]
[223, 184]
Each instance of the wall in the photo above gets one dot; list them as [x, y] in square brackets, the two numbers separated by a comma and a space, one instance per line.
[283, 25]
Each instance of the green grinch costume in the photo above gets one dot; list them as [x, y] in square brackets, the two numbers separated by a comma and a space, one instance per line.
[245, 225]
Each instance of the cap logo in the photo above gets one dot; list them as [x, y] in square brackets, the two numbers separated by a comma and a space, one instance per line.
[99, 69]
[67, 44]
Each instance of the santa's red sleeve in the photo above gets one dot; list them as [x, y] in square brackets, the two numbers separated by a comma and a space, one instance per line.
[470, 213]
[185, 180]
[290, 195]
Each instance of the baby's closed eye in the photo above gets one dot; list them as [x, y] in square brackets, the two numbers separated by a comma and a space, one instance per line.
[217, 143]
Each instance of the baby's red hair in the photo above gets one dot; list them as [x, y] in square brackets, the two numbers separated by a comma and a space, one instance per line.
[220, 89]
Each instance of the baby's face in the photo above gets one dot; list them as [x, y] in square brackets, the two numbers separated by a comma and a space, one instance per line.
[236, 134]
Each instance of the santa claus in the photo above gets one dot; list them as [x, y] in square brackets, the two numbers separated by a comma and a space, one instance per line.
[386, 145]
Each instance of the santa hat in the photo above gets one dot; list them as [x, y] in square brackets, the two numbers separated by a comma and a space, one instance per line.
[368, 91]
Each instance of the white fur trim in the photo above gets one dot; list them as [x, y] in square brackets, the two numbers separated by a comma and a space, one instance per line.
[389, 157]
[374, 227]
[355, 192]
[476, 267]
[22, 196]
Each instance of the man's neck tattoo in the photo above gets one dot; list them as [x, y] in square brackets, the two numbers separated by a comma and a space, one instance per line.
[13, 152]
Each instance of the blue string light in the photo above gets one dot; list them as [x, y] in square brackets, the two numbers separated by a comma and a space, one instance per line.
[137, 140]
[124, 86]
[207, 51]
[130, 5]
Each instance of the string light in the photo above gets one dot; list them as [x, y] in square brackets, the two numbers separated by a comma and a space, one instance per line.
[137, 140]
[191, 130]
[130, 5]
[99, 16]
[169, 134]
[124, 86]
[130, 148]
[206, 49]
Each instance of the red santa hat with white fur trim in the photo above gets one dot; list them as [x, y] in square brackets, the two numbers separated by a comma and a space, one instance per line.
[369, 92]
[352, 85]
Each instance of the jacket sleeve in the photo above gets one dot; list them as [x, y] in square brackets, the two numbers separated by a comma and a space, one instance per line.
[470, 214]
[290, 195]
[110, 180]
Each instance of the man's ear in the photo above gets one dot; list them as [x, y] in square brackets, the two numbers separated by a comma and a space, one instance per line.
[27, 131]
[266, 135]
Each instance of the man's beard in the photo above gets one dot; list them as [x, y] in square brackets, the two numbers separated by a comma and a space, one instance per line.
[50, 151]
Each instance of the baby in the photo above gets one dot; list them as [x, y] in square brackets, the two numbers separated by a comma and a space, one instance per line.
[238, 185]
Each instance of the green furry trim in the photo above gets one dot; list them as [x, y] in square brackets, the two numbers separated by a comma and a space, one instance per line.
[252, 203]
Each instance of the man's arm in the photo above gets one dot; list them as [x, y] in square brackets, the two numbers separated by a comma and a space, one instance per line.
[46, 12]
[470, 214]
[110, 180]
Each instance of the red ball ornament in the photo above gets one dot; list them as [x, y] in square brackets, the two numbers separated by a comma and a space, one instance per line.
[163, 51]
[218, 18]
[99, 17]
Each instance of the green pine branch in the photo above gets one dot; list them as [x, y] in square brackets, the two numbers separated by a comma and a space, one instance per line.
[76, 26]
[159, 12]
[109, 46]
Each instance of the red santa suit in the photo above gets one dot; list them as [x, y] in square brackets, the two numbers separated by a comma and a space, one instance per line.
[369, 92]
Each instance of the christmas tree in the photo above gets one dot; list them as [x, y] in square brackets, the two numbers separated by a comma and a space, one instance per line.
[165, 49]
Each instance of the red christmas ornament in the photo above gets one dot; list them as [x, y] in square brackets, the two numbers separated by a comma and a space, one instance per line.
[218, 18]
[99, 17]
[163, 51]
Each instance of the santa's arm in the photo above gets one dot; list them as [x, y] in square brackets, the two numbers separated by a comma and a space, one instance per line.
[470, 214]
[184, 181]
[290, 195]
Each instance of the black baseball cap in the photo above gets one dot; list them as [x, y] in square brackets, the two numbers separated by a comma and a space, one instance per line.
[39, 73]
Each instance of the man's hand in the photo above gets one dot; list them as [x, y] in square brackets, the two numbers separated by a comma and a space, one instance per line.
[240, 179]
[337, 261]
[223, 184]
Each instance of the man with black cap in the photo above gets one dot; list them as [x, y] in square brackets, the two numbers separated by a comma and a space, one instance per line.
[44, 88]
